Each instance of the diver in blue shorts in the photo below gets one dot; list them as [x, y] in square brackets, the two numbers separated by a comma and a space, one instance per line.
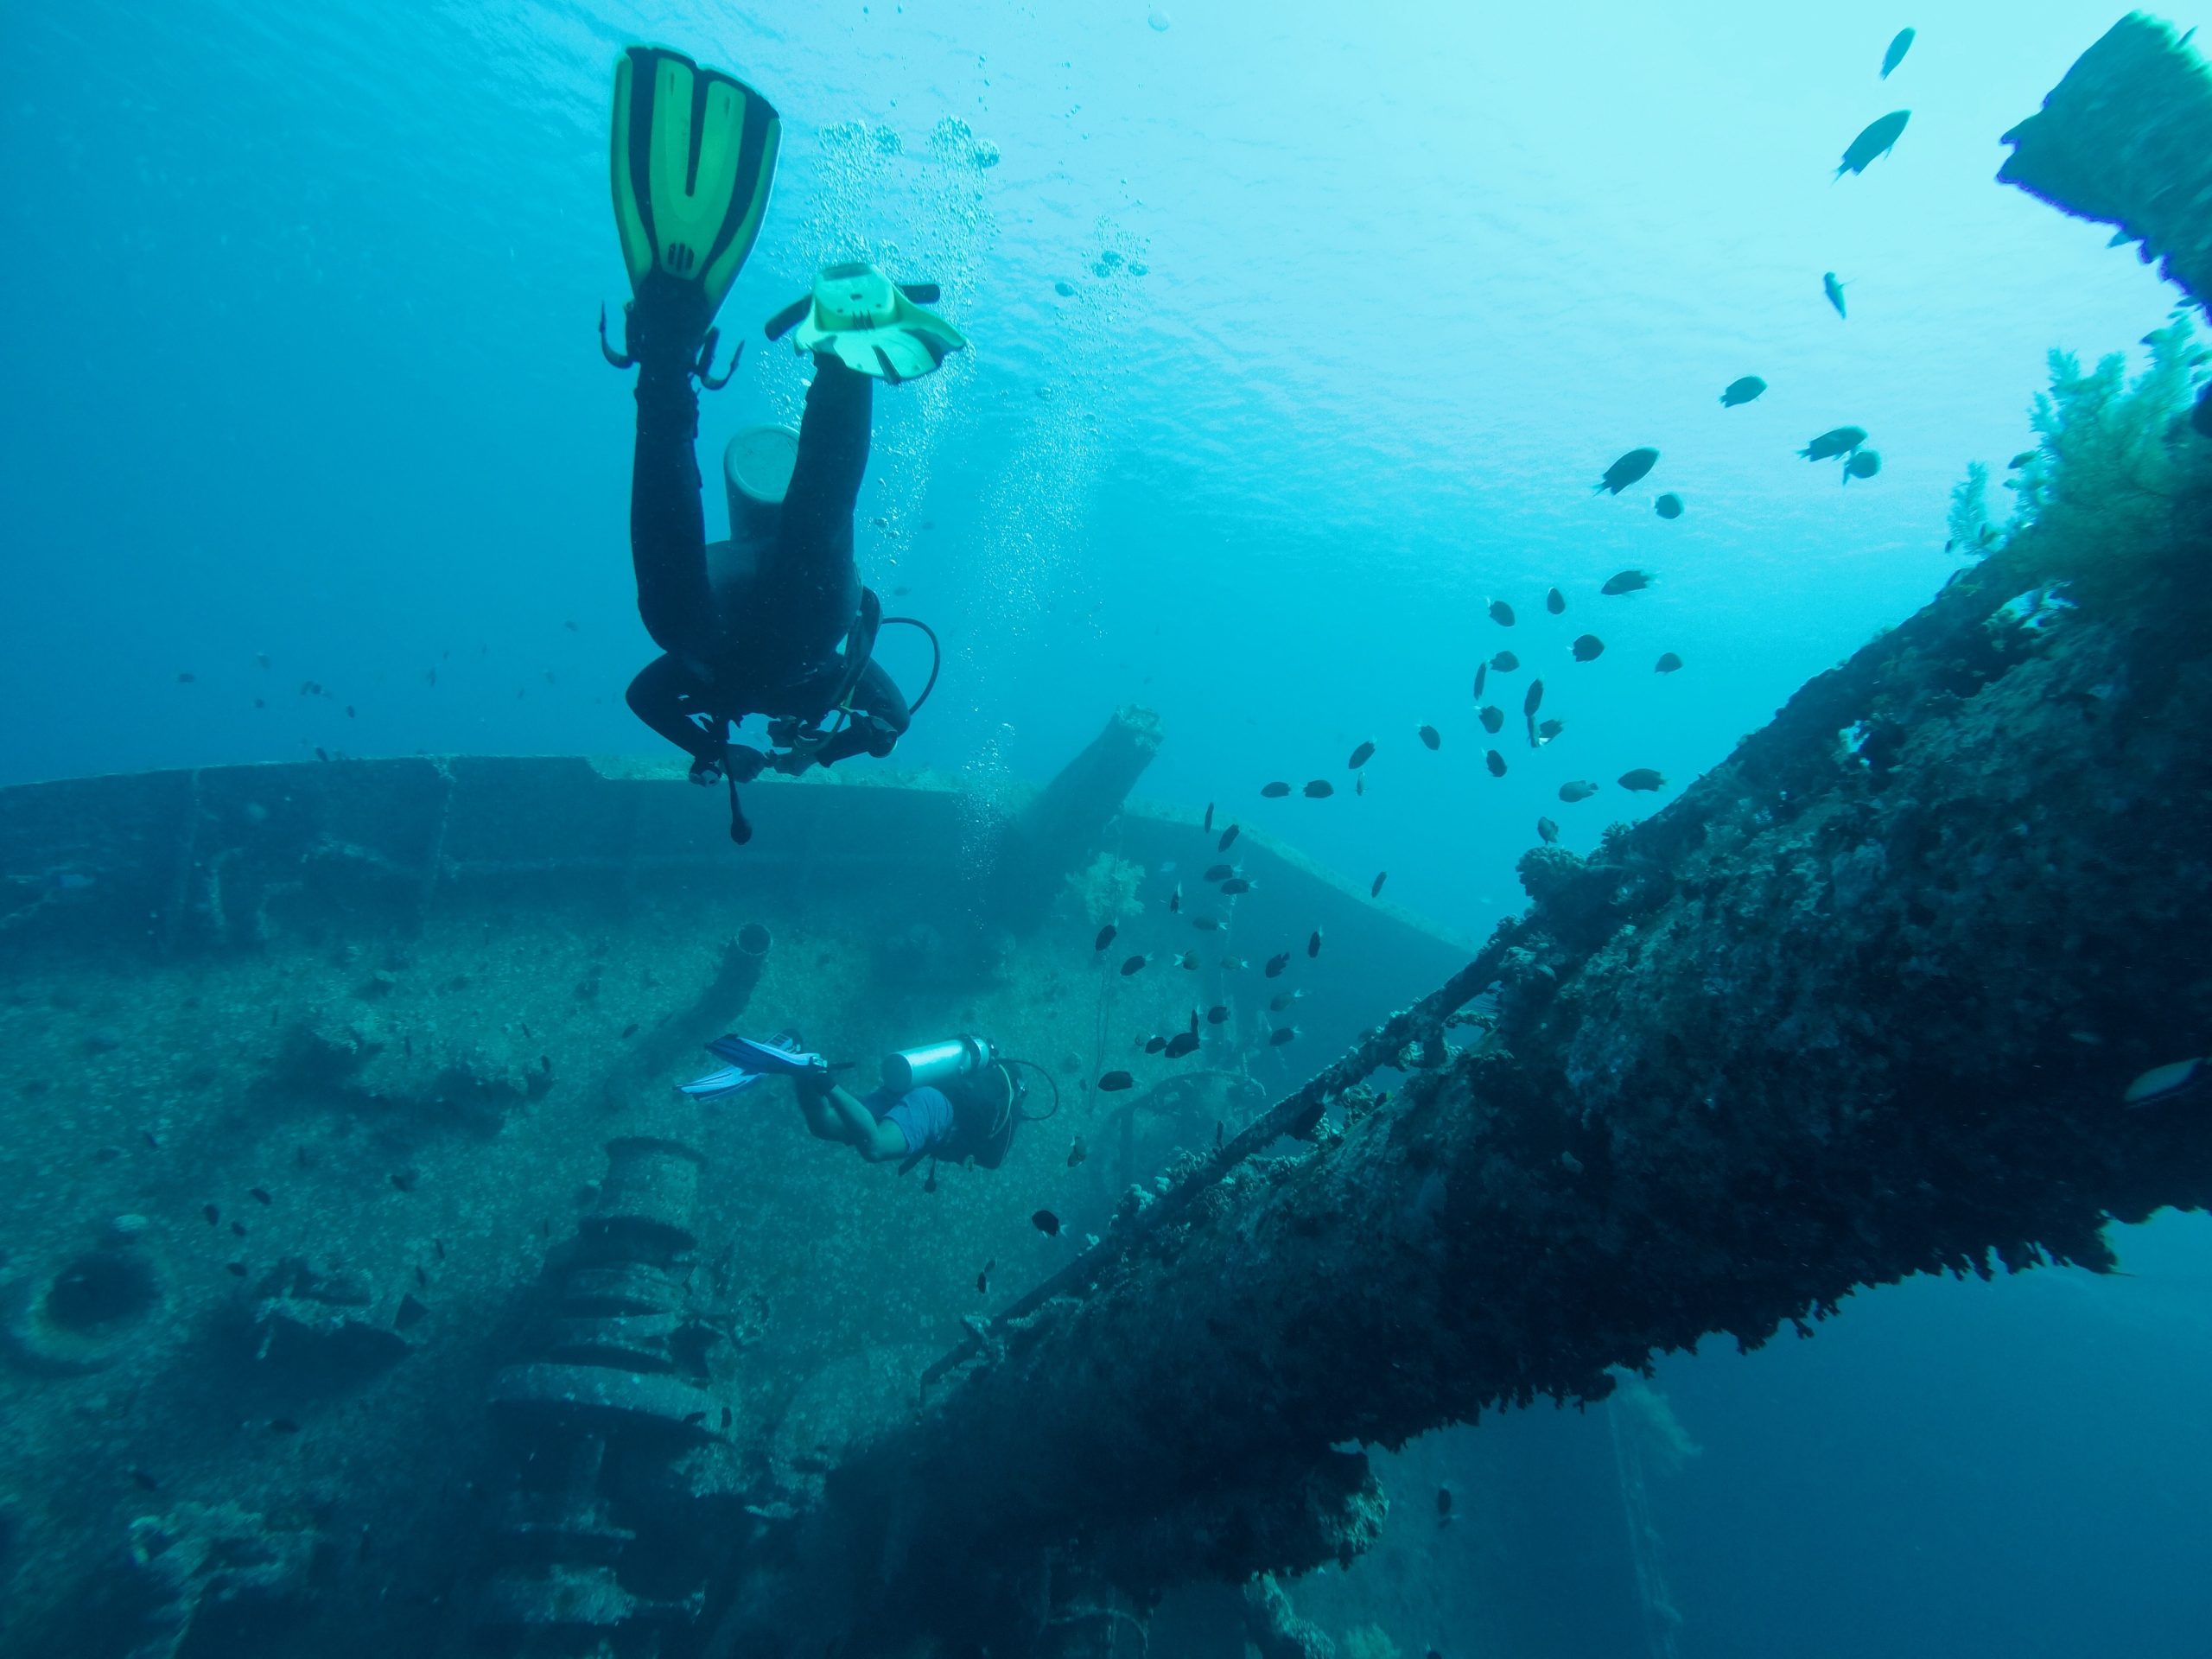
[957, 1100]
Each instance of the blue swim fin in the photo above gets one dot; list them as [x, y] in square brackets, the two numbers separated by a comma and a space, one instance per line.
[749, 1063]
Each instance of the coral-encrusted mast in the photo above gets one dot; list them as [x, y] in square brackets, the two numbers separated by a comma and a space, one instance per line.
[2125, 139]
[1861, 1004]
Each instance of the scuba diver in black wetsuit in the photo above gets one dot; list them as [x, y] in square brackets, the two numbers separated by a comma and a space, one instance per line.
[753, 625]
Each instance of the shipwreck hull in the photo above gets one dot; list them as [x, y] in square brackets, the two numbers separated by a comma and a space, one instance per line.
[325, 1080]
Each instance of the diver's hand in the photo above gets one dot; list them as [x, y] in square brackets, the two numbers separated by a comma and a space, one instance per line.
[790, 762]
[740, 763]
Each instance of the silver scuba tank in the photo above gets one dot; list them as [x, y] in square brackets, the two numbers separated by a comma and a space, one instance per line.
[937, 1063]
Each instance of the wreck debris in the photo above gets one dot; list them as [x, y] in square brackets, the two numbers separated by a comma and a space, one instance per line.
[617, 1433]
[201, 1554]
[1060, 828]
[2126, 138]
[90, 1311]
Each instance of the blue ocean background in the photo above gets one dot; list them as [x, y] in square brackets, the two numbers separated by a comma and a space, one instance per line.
[1301, 332]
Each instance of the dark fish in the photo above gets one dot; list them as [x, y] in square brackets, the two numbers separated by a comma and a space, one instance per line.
[1501, 613]
[1175, 901]
[693, 1419]
[1280, 1035]
[1319, 790]
[1669, 505]
[1444, 1500]
[1276, 964]
[1667, 662]
[1877, 140]
[1429, 735]
[1283, 1000]
[1643, 778]
[1275, 792]
[1208, 825]
[1833, 290]
[1895, 55]
[259, 1195]
[1555, 602]
[1505, 662]
[1217, 1014]
[1837, 441]
[1234, 964]
[1220, 872]
[1375, 887]
[1496, 762]
[1360, 757]
[1314, 943]
[1228, 839]
[1206, 923]
[1047, 1223]
[1194, 1021]
[321, 753]
[404, 1179]
[1359, 784]
[1548, 730]
[983, 1278]
[1235, 885]
[282, 1426]
[422, 1279]
[1188, 960]
[1629, 467]
[144, 1481]
[2020, 460]
[1865, 464]
[1492, 717]
[236, 1269]
[185, 677]
[1580, 789]
[237, 1229]
[1076, 1153]
[212, 1214]
[1114, 1082]
[1154, 1044]
[629, 1031]
[1626, 581]
[1588, 648]
[1482, 673]
[1183, 1043]
[1534, 698]
[1105, 937]
[439, 1245]
[1741, 392]
[1547, 831]
[1133, 964]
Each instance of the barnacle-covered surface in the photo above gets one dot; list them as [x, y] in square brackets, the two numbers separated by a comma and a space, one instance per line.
[1862, 1004]
[2126, 138]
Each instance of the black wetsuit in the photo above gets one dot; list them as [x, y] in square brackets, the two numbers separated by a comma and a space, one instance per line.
[752, 626]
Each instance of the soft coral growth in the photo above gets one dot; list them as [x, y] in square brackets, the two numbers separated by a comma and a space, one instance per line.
[2114, 459]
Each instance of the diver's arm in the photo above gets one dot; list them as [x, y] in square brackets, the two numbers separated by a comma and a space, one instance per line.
[664, 697]
[877, 1140]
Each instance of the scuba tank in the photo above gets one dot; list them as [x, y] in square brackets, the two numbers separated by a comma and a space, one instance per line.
[937, 1063]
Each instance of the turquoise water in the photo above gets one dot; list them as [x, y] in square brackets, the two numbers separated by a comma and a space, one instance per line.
[1361, 302]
